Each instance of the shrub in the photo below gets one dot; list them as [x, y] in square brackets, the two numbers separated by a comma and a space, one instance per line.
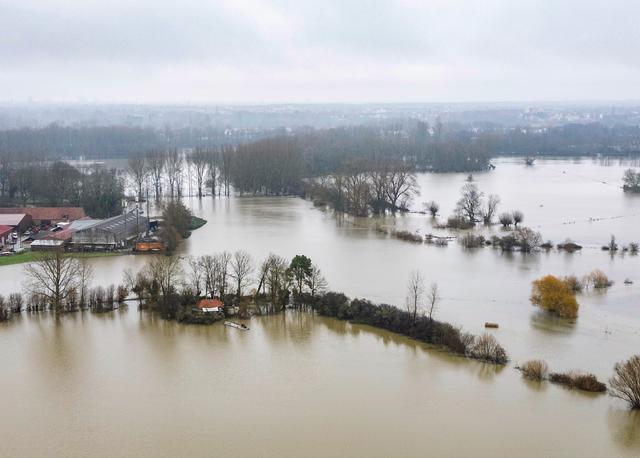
[507, 243]
[625, 383]
[633, 248]
[598, 279]
[569, 246]
[528, 240]
[471, 241]
[408, 236]
[536, 369]
[121, 293]
[15, 302]
[547, 245]
[5, 311]
[487, 348]
[458, 222]
[574, 283]
[578, 380]
[554, 295]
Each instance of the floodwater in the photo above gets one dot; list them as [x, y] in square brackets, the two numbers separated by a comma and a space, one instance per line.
[128, 384]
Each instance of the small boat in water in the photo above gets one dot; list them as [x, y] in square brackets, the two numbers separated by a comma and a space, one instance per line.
[236, 325]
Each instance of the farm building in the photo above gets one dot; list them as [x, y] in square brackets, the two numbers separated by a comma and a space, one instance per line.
[47, 216]
[47, 245]
[18, 221]
[5, 235]
[110, 233]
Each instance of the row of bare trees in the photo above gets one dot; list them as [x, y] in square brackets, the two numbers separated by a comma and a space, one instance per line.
[165, 171]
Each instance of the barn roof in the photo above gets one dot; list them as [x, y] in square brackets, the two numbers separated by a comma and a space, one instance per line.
[13, 219]
[47, 213]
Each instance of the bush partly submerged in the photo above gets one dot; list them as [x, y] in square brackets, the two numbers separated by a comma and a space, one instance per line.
[535, 369]
[578, 380]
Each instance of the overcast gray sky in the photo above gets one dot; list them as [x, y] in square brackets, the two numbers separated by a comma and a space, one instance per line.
[261, 51]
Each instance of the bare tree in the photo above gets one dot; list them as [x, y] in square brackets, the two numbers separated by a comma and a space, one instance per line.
[357, 190]
[415, 294]
[53, 276]
[506, 219]
[316, 282]
[277, 281]
[401, 186]
[165, 271]
[85, 275]
[518, 217]
[213, 161]
[241, 268]
[470, 203]
[625, 383]
[195, 275]
[491, 207]
[138, 171]
[173, 167]
[200, 161]
[157, 160]
[223, 263]
[432, 207]
[433, 299]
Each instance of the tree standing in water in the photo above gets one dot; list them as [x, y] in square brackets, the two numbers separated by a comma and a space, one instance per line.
[415, 294]
[53, 276]
[300, 271]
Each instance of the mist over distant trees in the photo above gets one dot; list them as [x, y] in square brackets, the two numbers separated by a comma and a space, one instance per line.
[436, 146]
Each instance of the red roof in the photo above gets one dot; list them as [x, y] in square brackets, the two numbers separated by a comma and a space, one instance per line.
[47, 213]
[209, 303]
[64, 234]
[4, 230]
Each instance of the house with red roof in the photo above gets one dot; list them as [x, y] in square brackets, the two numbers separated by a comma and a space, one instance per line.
[210, 305]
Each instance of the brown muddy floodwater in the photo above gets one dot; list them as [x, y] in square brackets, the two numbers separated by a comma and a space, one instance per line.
[129, 384]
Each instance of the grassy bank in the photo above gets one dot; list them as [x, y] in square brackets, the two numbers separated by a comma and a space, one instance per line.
[29, 256]
[196, 223]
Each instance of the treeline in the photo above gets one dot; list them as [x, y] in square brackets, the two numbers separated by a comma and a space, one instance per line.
[438, 147]
[569, 140]
[99, 191]
[56, 142]
[418, 145]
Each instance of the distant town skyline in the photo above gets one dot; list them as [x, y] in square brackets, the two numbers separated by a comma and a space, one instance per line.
[280, 52]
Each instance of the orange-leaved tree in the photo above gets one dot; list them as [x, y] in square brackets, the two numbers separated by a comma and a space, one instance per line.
[555, 295]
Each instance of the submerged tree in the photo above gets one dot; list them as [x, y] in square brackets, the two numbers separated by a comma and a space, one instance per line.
[470, 204]
[625, 383]
[555, 295]
[54, 277]
[300, 271]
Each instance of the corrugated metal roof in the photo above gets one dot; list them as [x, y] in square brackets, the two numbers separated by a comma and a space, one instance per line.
[45, 242]
[121, 224]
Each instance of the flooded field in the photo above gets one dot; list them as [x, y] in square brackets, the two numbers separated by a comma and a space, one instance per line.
[129, 384]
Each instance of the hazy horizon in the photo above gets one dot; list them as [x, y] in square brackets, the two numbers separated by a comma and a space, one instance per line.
[251, 52]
